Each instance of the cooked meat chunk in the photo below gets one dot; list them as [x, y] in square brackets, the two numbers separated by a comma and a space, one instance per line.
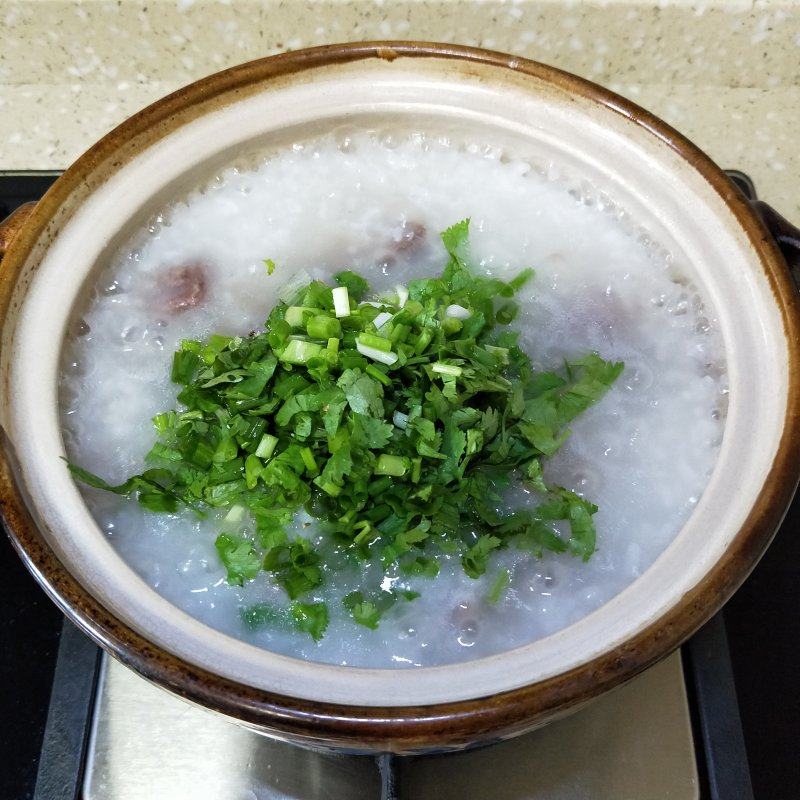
[184, 287]
[413, 236]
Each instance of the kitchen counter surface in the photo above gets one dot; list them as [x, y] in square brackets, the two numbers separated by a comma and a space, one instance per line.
[725, 73]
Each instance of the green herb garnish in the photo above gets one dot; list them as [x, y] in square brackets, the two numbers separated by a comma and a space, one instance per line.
[310, 618]
[499, 586]
[397, 424]
[368, 611]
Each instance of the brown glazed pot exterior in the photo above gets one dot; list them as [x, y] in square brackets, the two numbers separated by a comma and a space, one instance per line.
[12, 225]
[400, 729]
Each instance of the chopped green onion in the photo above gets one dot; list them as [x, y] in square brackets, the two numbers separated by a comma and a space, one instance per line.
[379, 486]
[423, 340]
[356, 285]
[253, 469]
[521, 279]
[348, 516]
[451, 325]
[507, 313]
[299, 352]
[376, 342]
[500, 353]
[321, 327]
[382, 319]
[266, 446]
[397, 466]
[457, 312]
[376, 373]
[446, 369]
[294, 286]
[308, 459]
[399, 333]
[332, 350]
[400, 419]
[329, 487]
[235, 515]
[364, 531]
[376, 355]
[341, 301]
[296, 316]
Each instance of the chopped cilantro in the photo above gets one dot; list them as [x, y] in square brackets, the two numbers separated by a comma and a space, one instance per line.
[398, 424]
[262, 614]
[476, 558]
[499, 586]
[368, 611]
[296, 566]
[310, 618]
[364, 612]
[239, 557]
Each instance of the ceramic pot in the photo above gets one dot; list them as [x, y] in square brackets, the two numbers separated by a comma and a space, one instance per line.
[536, 112]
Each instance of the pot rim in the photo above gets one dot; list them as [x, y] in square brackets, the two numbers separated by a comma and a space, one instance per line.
[403, 728]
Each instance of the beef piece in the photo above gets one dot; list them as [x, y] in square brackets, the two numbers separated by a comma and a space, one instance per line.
[413, 237]
[184, 287]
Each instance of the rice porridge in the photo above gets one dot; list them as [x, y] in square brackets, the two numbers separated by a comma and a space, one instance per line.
[643, 454]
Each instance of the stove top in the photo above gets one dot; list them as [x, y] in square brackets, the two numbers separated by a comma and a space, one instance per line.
[79, 725]
[672, 732]
[634, 743]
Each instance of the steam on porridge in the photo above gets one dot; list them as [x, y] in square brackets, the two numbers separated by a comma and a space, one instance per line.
[357, 441]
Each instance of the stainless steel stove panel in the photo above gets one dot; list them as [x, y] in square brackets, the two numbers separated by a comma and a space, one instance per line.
[634, 743]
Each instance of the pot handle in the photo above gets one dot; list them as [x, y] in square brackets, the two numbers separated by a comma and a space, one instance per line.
[786, 235]
[11, 225]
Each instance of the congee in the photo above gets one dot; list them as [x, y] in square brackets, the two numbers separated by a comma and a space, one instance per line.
[392, 401]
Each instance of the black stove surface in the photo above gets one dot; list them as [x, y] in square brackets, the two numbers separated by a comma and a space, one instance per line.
[762, 621]
[30, 624]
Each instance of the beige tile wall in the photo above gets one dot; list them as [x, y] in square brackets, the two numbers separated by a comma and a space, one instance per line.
[726, 73]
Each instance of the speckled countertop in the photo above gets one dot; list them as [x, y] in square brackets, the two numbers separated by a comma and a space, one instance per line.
[726, 73]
